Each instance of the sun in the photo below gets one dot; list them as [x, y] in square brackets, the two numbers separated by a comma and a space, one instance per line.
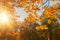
[4, 17]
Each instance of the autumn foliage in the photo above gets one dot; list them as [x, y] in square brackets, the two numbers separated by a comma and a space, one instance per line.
[48, 20]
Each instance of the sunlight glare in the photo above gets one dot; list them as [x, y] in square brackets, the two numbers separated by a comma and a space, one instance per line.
[4, 18]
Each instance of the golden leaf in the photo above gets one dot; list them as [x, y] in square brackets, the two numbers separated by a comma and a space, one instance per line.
[49, 21]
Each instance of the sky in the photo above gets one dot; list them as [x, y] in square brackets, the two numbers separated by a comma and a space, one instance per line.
[23, 14]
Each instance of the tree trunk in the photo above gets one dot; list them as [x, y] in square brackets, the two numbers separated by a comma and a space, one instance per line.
[50, 29]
